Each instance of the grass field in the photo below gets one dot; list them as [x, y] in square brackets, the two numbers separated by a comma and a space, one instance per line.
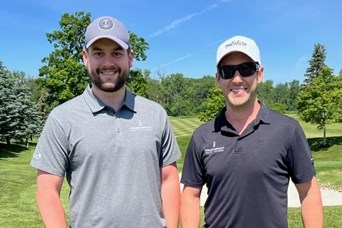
[17, 179]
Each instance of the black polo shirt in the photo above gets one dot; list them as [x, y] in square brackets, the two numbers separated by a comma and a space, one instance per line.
[247, 175]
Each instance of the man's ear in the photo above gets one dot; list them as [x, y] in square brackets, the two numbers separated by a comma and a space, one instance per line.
[260, 74]
[217, 80]
[130, 57]
[85, 56]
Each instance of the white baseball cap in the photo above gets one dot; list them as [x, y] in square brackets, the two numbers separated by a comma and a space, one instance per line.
[238, 44]
[107, 27]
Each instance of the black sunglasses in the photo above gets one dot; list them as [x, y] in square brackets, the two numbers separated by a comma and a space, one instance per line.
[245, 69]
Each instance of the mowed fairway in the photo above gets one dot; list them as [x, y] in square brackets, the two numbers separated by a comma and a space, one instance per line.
[184, 126]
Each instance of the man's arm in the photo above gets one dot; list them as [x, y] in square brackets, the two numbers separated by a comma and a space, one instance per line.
[50, 207]
[170, 193]
[190, 207]
[311, 201]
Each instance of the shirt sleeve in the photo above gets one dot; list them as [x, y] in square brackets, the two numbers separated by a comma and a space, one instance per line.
[51, 152]
[193, 173]
[170, 148]
[301, 162]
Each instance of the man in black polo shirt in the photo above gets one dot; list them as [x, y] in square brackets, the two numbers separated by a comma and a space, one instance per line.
[247, 154]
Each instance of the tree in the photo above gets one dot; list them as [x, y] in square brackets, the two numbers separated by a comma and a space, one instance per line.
[316, 63]
[63, 75]
[212, 105]
[294, 89]
[266, 93]
[7, 107]
[138, 82]
[27, 121]
[319, 102]
[154, 91]
[176, 92]
[18, 117]
[201, 88]
[338, 98]
[281, 97]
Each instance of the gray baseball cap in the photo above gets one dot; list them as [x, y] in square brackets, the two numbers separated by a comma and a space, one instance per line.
[107, 27]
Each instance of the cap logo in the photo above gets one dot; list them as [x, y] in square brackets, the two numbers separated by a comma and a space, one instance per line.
[105, 23]
[236, 43]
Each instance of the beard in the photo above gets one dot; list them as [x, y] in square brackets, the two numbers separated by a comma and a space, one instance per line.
[109, 86]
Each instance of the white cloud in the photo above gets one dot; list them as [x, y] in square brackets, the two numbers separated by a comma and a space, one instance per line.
[174, 61]
[175, 23]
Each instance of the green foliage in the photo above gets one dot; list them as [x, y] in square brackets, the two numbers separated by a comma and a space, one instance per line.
[294, 89]
[320, 101]
[154, 91]
[281, 97]
[266, 93]
[212, 105]
[139, 46]
[138, 82]
[201, 89]
[7, 104]
[18, 116]
[63, 75]
[27, 122]
[176, 92]
[278, 107]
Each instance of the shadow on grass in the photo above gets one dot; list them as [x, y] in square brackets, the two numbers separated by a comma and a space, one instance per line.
[316, 144]
[10, 151]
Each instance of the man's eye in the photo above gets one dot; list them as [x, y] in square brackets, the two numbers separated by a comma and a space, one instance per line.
[97, 53]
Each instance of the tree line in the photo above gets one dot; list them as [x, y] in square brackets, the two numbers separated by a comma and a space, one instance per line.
[26, 101]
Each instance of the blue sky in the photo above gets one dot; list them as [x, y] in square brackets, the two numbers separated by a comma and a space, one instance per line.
[184, 35]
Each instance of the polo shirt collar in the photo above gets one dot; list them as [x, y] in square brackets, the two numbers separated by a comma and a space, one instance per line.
[96, 105]
[221, 122]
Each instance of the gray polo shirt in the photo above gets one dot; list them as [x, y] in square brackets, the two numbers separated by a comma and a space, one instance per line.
[111, 159]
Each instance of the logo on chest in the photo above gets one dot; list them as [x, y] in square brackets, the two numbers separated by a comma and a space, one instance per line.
[214, 149]
[140, 127]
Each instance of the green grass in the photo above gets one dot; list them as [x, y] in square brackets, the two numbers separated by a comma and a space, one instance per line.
[17, 179]
[17, 198]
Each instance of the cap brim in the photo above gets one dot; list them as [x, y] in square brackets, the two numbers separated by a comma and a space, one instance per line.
[255, 59]
[117, 40]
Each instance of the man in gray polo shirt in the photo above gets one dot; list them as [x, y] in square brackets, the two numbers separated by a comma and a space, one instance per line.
[117, 150]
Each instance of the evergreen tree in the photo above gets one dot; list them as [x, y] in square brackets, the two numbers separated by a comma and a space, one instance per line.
[316, 63]
[27, 121]
[18, 117]
[7, 105]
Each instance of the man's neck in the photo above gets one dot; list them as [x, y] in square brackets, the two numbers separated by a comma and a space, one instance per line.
[111, 99]
[241, 117]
